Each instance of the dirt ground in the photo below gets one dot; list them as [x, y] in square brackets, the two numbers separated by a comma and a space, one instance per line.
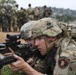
[3, 36]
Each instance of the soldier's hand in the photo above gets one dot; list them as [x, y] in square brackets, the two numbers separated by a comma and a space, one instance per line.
[10, 52]
[18, 65]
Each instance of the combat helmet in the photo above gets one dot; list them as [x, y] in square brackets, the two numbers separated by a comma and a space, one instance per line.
[46, 26]
[72, 30]
[64, 27]
[26, 30]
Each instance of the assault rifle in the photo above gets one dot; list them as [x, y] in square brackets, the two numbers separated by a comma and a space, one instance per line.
[23, 50]
[11, 41]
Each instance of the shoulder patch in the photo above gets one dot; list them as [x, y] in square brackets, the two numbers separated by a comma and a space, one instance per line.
[63, 62]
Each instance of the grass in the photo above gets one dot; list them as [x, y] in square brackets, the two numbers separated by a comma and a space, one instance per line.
[6, 71]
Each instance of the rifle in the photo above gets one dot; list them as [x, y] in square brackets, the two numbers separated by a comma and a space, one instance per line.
[23, 50]
[11, 41]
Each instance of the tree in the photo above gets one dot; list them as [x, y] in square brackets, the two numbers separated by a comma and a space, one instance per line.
[7, 3]
[65, 18]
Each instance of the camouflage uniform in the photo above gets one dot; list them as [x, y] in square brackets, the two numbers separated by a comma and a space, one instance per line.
[36, 13]
[66, 59]
[4, 20]
[49, 27]
[72, 31]
[66, 55]
[14, 21]
[30, 12]
[46, 12]
[21, 18]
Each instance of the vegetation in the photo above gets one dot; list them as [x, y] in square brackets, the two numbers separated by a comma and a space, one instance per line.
[65, 18]
[7, 3]
[65, 15]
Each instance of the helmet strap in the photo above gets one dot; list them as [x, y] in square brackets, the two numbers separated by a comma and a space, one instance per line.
[47, 42]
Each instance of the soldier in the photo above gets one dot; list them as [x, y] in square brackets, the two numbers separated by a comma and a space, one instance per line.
[21, 17]
[26, 35]
[45, 32]
[30, 12]
[4, 20]
[46, 11]
[58, 53]
[25, 31]
[15, 21]
[36, 13]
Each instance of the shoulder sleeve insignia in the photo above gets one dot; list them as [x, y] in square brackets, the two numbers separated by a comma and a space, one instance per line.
[63, 62]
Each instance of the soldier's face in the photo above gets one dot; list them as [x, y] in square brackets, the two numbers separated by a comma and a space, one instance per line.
[41, 45]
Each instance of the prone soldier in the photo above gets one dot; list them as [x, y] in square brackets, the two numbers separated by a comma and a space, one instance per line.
[45, 33]
[24, 31]
[58, 52]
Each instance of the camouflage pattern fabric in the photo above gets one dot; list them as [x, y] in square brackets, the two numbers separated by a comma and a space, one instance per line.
[66, 53]
[64, 27]
[36, 13]
[30, 12]
[66, 60]
[47, 12]
[40, 65]
[26, 30]
[46, 26]
[72, 30]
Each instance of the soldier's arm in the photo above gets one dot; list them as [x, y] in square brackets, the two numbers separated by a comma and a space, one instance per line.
[20, 64]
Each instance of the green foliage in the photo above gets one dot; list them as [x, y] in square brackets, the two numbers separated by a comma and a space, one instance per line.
[6, 3]
[65, 18]
[6, 71]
